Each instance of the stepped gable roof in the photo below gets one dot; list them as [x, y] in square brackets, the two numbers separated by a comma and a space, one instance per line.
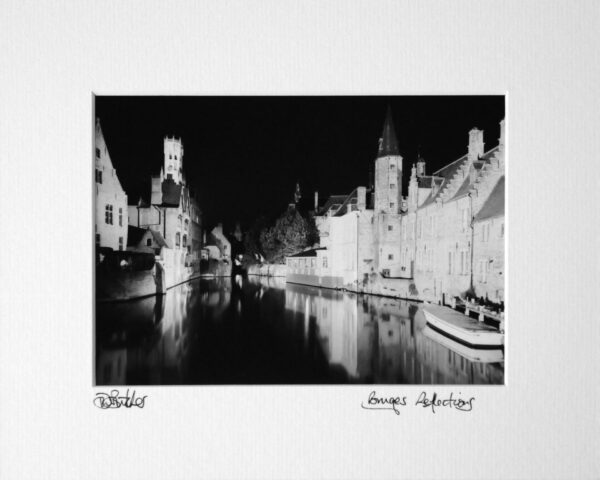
[134, 235]
[308, 253]
[351, 199]
[171, 193]
[334, 201]
[389, 142]
[494, 205]
[446, 173]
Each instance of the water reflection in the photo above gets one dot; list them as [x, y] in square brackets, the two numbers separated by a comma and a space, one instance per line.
[262, 331]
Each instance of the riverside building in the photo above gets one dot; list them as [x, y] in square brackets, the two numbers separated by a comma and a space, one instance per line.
[444, 238]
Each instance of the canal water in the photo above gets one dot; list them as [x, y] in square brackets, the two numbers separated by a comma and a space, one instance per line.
[263, 331]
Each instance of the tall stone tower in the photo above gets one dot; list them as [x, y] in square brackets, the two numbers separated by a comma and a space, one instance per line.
[388, 170]
[173, 163]
[388, 201]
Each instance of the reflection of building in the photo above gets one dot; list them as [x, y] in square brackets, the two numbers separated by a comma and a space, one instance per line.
[111, 366]
[111, 200]
[172, 212]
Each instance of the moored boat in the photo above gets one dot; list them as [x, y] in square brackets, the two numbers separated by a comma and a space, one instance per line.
[462, 328]
[479, 355]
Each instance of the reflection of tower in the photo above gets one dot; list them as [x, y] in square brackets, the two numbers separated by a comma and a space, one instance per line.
[344, 334]
[238, 232]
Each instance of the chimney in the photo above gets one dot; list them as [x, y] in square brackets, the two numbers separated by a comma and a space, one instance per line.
[316, 200]
[475, 144]
[361, 198]
[502, 133]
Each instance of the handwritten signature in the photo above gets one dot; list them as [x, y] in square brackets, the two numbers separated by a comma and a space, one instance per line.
[394, 403]
[114, 399]
[384, 403]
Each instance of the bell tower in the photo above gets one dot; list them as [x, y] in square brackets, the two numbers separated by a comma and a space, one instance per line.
[388, 170]
[173, 162]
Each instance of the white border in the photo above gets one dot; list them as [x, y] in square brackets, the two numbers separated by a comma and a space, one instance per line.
[542, 424]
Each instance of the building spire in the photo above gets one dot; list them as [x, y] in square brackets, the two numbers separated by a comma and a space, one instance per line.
[388, 143]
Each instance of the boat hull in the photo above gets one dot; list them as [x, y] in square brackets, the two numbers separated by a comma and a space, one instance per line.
[462, 328]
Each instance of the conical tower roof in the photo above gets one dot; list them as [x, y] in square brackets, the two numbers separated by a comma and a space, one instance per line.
[389, 143]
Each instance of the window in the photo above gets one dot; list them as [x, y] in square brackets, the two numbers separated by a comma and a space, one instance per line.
[392, 205]
[175, 157]
[108, 214]
[177, 239]
[390, 228]
[485, 232]
[462, 263]
[148, 242]
[392, 185]
[120, 243]
[390, 256]
[170, 156]
[392, 166]
[98, 176]
[120, 217]
[184, 241]
[97, 153]
[324, 262]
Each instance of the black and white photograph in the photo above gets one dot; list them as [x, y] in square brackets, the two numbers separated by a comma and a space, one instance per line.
[300, 240]
[296, 240]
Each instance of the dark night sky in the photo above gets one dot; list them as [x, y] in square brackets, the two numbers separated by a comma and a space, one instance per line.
[243, 155]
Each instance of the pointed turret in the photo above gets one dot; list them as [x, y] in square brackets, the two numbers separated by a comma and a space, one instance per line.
[388, 143]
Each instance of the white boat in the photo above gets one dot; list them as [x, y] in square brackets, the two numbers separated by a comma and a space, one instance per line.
[462, 328]
[480, 355]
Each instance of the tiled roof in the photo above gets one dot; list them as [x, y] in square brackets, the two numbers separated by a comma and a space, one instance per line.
[446, 173]
[389, 142]
[334, 201]
[425, 182]
[308, 253]
[494, 205]
[159, 239]
[351, 199]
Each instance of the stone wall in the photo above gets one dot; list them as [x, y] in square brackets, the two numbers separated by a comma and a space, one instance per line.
[268, 270]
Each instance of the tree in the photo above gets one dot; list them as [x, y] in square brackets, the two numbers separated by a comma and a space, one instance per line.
[291, 234]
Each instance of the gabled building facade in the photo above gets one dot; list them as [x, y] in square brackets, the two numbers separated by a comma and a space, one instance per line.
[110, 220]
[173, 213]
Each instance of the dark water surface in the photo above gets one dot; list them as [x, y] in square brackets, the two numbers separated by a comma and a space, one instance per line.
[262, 331]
